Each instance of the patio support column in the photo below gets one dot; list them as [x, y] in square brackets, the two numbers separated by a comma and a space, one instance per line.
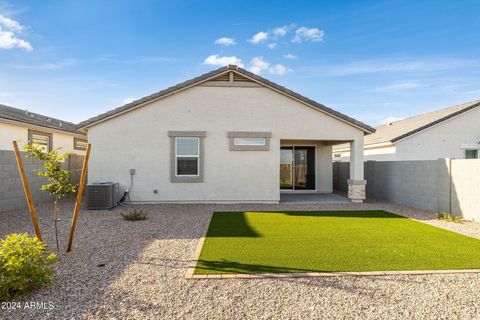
[356, 183]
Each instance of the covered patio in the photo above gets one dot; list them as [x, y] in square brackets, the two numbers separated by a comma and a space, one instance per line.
[320, 198]
[306, 171]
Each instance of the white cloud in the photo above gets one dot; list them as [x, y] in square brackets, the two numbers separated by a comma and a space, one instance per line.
[279, 69]
[10, 24]
[290, 56]
[8, 40]
[259, 37]
[8, 36]
[390, 119]
[272, 45]
[216, 60]
[224, 41]
[257, 65]
[308, 34]
[280, 31]
[128, 100]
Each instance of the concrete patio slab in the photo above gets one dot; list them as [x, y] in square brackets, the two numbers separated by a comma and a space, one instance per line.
[312, 198]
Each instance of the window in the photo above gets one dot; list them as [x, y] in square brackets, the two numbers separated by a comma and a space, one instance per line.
[43, 139]
[471, 154]
[249, 141]
[187, 153]
[80, 144]
[186, 156]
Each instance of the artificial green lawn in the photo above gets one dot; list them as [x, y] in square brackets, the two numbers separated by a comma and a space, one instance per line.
[328, 241]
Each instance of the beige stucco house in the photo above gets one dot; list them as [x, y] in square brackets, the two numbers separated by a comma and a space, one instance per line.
[446, 133]
[225, 136]
[23, 126]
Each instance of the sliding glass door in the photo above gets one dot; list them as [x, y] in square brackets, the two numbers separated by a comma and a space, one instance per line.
[297, 168]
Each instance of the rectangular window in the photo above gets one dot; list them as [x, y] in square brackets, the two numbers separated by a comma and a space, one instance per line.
[471, 154]
[80, 144]
[187, 156]
[43, 139]
[249, 141]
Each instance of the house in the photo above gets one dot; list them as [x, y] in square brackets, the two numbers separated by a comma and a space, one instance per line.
[23, 126]
[447, 133]
[226, 136]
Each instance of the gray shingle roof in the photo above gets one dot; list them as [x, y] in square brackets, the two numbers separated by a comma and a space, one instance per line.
[27, 117]
[394, 131]
[217, 72]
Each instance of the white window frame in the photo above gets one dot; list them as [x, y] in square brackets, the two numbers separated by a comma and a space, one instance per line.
[197, 156]
[235, 142]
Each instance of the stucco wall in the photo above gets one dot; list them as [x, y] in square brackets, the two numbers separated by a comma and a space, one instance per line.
[10, 132]
[465, 198]
[138, 140]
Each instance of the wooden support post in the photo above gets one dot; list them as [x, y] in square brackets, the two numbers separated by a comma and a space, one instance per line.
[81, 186]
[26, 189]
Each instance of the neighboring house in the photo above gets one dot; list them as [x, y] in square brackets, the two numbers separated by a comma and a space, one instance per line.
[24, 126]
[225, 136]
[447, 133]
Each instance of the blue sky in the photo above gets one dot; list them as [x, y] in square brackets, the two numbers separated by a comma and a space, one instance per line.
[373, 60]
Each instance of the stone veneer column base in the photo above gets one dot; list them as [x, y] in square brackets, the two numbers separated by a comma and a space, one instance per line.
[356, 190]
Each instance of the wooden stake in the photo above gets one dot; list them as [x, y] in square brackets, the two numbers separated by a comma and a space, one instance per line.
[81, 186]
[26, 189]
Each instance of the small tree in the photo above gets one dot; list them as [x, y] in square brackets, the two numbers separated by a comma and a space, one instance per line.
[58, 177]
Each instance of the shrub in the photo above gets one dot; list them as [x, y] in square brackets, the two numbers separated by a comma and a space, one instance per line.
[134, 215]
[449, 217]
[25, 265]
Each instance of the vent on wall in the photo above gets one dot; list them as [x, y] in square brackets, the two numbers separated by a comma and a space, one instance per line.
[102, 195]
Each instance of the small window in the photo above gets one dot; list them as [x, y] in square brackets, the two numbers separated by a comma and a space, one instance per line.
[249, 141]
[471, 154]
[43, 139]
[187, 156]
[80, 144]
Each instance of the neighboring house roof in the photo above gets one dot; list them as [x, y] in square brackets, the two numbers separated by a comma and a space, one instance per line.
[27, 117]
[395, 131]
[215, 73]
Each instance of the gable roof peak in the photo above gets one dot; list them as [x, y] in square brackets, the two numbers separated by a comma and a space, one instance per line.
[212, 74]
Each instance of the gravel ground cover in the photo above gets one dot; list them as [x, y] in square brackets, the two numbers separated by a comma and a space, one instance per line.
[120, 269]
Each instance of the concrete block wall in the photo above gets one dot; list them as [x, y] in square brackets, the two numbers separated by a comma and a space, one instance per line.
[12, 196]
[444, 185]
[412, 183]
